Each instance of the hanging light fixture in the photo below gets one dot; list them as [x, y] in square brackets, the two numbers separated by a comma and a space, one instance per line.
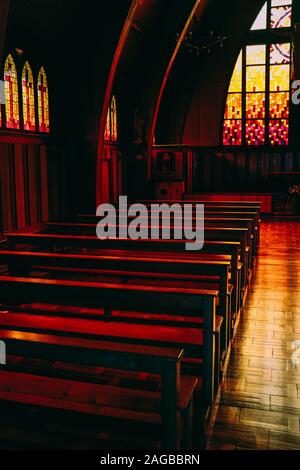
[207, 44]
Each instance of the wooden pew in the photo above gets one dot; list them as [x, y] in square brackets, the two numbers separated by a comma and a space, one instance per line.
[212, 234]
[225, 213]
[90, 229]
[176, 395]
[46, 241]
[110, 297]
[210, 272]
[242, 204]
[211, 209]
[212, 248]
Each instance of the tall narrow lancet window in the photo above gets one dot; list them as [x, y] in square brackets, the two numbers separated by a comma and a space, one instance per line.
[11, 94]
[258, 100]
[43, 102]
[28, 98]
[111, 128]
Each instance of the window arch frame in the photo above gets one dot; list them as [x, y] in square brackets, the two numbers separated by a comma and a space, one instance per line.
[267, 37]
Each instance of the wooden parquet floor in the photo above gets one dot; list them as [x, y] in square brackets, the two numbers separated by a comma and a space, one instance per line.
[259, 404]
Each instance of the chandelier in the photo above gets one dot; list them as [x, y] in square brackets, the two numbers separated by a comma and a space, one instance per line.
[206, 44]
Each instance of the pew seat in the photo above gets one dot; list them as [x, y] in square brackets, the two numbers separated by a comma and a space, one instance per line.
[106, 401]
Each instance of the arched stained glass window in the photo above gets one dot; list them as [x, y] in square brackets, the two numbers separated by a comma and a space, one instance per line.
[11, 94]
[111, 128]
[28, 98]
[258, 101]
[43, 101]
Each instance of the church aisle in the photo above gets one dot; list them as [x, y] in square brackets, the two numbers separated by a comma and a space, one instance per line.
[259, 406]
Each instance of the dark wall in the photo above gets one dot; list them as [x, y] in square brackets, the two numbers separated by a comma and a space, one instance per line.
[4, 7]
[75, 41]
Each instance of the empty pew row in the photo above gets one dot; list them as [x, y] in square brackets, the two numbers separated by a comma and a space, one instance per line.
[22, 319]
[232, 222]
[214, 206]
[209, 273]
[249, 221]
[98, 400]
[211, 233]
[140, 248]
[213, 244]
[62, 333]
[243, 204]
[209, 215]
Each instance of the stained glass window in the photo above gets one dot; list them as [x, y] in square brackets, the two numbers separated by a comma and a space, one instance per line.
[43, 102]
[28, 98]
[258, 101]
[11, 94]
[111, 128]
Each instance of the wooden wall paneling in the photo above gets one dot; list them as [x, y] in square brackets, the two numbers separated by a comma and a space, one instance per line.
[289, 161]
[115, 179]
[26, 185]
[263, 165]
[276, 158]
[44, 183]
[179, 158]
[105, 191]
[252, 165]
[240, 161]
[20, 186]
[206, 169]
[188, 165]
[297, 161]
[53, 182]
[12, 177]
[219, 170]
[38, 182]
[213, 185]
[120, 172]
[33, 185]
[6, 190]
[229, 174]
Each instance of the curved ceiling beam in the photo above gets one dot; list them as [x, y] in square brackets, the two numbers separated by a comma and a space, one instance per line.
[165, 79]
[110, 82]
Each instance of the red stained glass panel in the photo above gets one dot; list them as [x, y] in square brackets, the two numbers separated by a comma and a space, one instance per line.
[232, 132]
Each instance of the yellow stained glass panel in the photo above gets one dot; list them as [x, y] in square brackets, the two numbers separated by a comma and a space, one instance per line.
[234, 106]
[255, 105]
[236, 80]
[279, 105]
[256, 78]
[280, 77]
